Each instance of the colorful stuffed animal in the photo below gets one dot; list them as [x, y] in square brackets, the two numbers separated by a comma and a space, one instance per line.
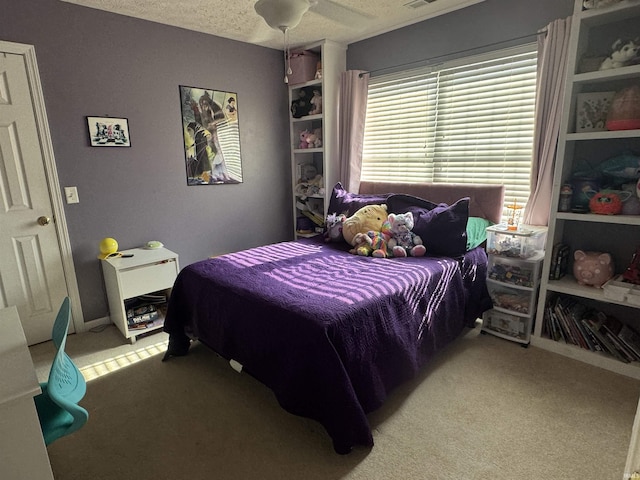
[370, 243]
[303, 139]
[403, 241]
[333, 224]
[367, 218]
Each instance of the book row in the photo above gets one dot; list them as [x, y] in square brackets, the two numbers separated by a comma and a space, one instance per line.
[570, 321]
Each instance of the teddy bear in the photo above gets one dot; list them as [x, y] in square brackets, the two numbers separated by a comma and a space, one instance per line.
[316, 101]
[623, 53]
[403, 241]
[317, 143]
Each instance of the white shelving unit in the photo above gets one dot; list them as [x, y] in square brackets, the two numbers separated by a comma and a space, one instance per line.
[618, 235]
[147, 271]
[321, 160]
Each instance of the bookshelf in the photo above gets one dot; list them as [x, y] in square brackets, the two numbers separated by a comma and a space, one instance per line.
[592, 32]
[316, 161]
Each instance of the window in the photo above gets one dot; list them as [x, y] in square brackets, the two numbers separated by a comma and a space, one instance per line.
[470, 121]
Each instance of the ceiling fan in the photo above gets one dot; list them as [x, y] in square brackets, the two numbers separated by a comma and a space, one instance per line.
[286, 14]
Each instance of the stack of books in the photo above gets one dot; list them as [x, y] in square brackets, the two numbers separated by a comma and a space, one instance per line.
[571, 322]
[144, 311]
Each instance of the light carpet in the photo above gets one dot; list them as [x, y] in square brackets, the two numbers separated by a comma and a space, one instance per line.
[485, 408]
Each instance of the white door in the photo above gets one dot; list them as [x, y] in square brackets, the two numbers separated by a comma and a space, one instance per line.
[32, 273]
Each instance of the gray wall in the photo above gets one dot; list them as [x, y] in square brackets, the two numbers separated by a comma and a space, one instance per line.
[482, 24]
[96, 63]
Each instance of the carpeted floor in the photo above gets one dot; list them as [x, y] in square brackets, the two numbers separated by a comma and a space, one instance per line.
[486, 408]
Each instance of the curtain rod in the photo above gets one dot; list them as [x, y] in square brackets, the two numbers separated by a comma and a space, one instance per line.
[427, 60]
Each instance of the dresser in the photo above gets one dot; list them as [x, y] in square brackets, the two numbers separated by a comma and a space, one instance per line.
[23, 455]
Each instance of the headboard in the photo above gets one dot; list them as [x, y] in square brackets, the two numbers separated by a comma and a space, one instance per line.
[486, 201]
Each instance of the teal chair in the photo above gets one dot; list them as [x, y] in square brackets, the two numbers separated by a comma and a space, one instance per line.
[57, 405]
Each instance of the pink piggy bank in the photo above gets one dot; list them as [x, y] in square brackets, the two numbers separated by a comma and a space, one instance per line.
[592, 268]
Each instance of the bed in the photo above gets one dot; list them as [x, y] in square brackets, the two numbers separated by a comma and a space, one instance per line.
[331, 333]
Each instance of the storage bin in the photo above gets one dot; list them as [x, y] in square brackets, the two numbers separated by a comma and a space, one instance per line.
[519, 301]
[515, 271]
[304, 65]
[503, 324]
[525, 242]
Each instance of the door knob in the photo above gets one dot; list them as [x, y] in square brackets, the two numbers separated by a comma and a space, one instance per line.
[44, 220]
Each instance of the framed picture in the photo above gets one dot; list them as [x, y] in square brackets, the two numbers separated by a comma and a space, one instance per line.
[591, 111]
[108, 132]
[211, 136]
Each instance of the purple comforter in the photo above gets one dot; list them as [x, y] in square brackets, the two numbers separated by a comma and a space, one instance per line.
[329, 332]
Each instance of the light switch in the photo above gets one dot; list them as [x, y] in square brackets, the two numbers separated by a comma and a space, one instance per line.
[71, 194]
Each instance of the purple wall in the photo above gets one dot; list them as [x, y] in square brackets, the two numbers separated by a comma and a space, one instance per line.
[482, 24]
[95, 63]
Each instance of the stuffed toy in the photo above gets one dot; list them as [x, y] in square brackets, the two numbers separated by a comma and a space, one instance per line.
[403, 241]
[304, 135]
[318, 140]
[333, 224]
[368, 218]
[316, 101]
[623, 53]
[370, 244]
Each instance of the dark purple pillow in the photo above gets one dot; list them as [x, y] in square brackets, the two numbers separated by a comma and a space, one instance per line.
[349, 203]
[442, 227]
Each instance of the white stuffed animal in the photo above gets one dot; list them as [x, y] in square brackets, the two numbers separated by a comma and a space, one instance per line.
[622, 53]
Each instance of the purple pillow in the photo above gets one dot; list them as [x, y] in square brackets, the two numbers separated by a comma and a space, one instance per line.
[349, 203]
[442, 227]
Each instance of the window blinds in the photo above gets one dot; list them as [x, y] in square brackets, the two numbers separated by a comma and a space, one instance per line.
[471, 122]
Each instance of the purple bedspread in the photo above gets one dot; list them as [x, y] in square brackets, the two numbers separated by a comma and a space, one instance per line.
[329, 332]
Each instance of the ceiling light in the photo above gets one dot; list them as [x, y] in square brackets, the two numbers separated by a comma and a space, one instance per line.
[282, 14]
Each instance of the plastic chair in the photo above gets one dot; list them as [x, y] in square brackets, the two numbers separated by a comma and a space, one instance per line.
[57, 405]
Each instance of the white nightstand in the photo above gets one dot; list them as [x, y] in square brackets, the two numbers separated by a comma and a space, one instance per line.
[149, 271]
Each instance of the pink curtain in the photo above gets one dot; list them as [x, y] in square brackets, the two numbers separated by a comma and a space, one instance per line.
[552, 60]
[354, 87]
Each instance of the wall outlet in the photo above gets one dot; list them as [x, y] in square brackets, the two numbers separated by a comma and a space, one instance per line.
[71, 194]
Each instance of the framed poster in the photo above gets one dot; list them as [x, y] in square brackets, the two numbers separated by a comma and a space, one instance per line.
[108, 132]
[591, 111]
[211, 136]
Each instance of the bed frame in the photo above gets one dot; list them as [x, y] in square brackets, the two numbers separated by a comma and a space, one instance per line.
[331, 333]
[486, 201]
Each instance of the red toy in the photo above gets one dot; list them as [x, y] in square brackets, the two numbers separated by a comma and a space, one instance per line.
[606, 203]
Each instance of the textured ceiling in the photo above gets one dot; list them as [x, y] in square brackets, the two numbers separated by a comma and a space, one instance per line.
[344, 21]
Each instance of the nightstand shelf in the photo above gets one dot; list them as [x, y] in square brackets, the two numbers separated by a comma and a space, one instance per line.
[148, 272]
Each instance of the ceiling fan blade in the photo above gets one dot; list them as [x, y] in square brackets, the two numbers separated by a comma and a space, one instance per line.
[339, 13]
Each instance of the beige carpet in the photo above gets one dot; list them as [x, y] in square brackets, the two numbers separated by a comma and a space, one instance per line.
[485, 409]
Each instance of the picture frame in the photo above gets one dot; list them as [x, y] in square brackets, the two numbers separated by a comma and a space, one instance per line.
[211, 133]
[108, 132]
[591, 111]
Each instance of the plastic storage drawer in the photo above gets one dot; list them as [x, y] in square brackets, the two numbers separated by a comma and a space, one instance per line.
[514, 271]
[523, 243]
[516, 300]
[505, 325]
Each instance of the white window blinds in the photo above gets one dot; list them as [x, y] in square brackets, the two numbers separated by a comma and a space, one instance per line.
[468, 122]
